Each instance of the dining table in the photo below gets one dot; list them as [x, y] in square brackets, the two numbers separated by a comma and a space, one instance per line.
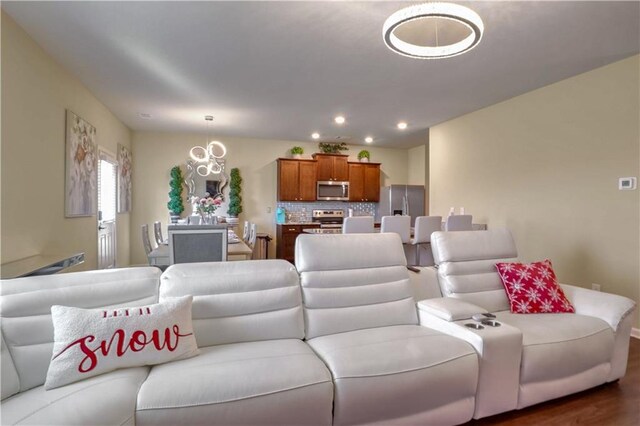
[235, 248]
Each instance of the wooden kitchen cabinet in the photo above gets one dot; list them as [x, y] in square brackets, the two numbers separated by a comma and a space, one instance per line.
[332, 167]
[296, 180]
[286, 240]
[364, 182]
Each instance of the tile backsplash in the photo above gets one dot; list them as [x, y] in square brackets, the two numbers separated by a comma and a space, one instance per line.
[301, 212]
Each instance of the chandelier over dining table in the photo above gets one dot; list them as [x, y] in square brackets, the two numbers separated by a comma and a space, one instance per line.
[208, 157]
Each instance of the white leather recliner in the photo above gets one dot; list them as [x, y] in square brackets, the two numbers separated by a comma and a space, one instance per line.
[530, 358]
[253, 366]
[27, 343]
[361, 320]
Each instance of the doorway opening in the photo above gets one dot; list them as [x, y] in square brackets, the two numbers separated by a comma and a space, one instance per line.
[107, 193]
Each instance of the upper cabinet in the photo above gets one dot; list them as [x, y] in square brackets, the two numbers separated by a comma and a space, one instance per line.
[296, 180]
[332, 167]
[364, 182]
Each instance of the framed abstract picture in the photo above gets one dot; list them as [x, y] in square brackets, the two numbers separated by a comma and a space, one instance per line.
[124, 179]
[80, 167]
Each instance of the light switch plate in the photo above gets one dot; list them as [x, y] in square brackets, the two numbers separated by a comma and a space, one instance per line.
[627, 183]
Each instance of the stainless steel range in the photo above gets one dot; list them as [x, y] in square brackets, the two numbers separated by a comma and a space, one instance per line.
[328, 219]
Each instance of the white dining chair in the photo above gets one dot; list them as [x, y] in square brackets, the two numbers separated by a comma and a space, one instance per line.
[246, 231]
[424, 227]
[401, 225]
[189, 245]
[253, 235]
[461, 222]
[146, 242]
[358, 225]
[157, 233]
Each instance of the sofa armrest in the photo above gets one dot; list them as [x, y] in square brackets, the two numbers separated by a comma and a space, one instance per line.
[609, 307]
[450, 308]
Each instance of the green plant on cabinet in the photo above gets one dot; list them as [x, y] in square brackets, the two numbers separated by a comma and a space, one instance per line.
[332, 148]
[297, 150]
[364, 154]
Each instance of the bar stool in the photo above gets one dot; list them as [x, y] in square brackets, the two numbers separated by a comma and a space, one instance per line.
[358, 225]
[461, 222]
[401, 225]
[425, 226]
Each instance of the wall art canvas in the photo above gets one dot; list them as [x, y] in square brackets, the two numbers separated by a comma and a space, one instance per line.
[124, 179]
[81, 167]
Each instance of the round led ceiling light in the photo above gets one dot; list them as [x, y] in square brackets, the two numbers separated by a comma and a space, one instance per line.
[424, 25]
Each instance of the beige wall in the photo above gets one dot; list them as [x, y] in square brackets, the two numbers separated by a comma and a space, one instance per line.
[546, 165]
[36, 91]
[418, 169]
[155, 153]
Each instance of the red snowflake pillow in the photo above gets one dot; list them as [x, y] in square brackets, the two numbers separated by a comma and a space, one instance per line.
[532, 288]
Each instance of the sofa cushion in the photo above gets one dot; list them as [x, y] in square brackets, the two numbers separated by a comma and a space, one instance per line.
[25, 310]
[390, 373]
[276, 382]
[533, 288]
[108, 399]
[239, 301]
[89, 342]
[560, 345]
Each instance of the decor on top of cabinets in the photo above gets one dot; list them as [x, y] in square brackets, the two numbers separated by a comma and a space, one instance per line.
[124, 179]
[80, 167]
[175, 205]
[332, 148]
[364, 156]
[296, 152]
[235, 199]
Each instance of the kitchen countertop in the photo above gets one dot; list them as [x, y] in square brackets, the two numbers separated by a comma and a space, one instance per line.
[323, 231]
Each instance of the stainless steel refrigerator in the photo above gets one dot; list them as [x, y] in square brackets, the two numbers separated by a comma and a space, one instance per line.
[401, 200]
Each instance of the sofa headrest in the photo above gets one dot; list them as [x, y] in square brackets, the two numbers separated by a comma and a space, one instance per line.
[473, 245]
[348, 251]
[241, 301]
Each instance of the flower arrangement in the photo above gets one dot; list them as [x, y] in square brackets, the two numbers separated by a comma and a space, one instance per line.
[297, 150]
[208, 204]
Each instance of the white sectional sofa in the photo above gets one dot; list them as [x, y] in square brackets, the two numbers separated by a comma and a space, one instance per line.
[529, 358]
[337, 341]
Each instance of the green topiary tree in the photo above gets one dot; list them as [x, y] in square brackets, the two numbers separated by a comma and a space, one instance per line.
[235, 200]
[175, 195]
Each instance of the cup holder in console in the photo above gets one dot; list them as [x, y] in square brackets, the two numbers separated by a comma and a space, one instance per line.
[474, 325]
[491, 323]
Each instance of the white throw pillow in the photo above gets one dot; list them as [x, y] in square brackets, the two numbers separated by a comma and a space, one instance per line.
[88, 342]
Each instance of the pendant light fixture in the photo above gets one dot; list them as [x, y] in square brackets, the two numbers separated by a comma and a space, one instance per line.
[208, 157]
[431, 16]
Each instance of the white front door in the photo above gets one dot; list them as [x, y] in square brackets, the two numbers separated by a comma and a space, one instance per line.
[107, 187]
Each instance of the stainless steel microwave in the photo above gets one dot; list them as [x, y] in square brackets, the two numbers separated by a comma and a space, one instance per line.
[330, 190]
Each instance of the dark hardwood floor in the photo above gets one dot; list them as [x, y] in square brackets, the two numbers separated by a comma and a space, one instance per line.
[615, 403]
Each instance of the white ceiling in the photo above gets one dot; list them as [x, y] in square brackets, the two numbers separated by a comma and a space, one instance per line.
[281, 70]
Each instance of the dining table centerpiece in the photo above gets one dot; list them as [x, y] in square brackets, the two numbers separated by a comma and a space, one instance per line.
[207, 208]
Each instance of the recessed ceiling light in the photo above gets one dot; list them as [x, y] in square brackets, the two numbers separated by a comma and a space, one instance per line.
[368, 139]
[402, 125]
[339, 119]
[421, 18]
[145, 115]
[315, 135]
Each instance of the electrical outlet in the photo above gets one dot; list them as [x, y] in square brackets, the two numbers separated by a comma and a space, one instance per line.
[595, 287]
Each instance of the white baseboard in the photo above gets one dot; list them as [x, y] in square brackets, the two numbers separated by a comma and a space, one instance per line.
[635, 332]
